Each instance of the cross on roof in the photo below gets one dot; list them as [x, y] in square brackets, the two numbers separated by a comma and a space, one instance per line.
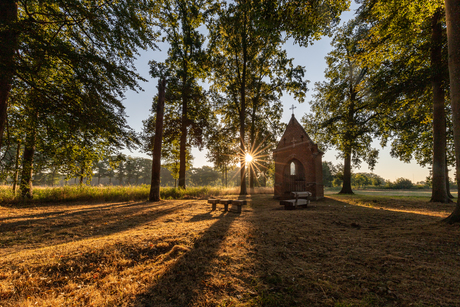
[292, 108]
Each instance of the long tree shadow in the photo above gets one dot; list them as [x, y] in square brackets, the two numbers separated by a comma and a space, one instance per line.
[340, 254]
[62, 213]
[83, 224]
[183, 282]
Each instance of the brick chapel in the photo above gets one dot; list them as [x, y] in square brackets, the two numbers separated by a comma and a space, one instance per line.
[298, 165]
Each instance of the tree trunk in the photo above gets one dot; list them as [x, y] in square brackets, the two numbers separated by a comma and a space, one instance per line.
[346, 185]
[439, 190]
[28, 158]
[243, 190]
[452, 8]
[8, 43]
[16, 168]
[120, 174]
[82, 172]
[349, 138]
[156, 159]
[252, 142]
[184, 125]
[447, 182]
[53, 175]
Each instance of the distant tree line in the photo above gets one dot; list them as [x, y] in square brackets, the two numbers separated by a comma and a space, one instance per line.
[333, 177]
[117, 170]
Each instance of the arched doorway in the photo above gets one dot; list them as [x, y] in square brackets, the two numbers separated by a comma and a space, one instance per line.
[294, 177]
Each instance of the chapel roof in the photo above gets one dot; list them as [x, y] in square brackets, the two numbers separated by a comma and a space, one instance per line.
[294, 133]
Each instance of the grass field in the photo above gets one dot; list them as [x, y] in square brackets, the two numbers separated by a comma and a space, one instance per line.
[388, 192]
[74, 193]
[363, 250]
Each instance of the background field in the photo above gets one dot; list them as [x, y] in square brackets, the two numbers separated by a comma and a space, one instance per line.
[388, 192]
[342, 251]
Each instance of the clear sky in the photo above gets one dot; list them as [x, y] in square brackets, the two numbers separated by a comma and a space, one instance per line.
[312, 58]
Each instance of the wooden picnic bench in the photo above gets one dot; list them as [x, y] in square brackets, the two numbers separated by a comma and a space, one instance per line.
[301, 199]
[236, 204]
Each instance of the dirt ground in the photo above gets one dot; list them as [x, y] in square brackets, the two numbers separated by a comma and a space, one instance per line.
[340, 251]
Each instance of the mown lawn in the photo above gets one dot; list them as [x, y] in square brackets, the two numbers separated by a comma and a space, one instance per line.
[342, 251]
[388, 192]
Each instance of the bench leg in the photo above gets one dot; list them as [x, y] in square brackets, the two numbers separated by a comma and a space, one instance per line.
[238, 208]
[225, 207]
[213, 207]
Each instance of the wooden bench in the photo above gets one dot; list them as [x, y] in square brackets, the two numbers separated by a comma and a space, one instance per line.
[238, 203]
[234, 202]
[214, 203]
[301, 199]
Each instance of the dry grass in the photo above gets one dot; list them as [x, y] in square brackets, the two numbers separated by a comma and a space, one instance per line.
[113, 193]
[342, 251]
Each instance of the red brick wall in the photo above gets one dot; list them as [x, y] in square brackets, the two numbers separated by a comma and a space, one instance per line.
[295, 144]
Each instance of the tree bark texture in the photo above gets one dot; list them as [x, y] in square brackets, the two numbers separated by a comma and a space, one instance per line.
[8, 47]
[349, 138]
[447, 182]
[452, 8]
[243, 190]
[183, 146]
[439, 189]
[16, 168]
[82, 172]
[53, 175]
[156, 163]
[183, 136]
[346, 185]
[252, 173]
[28, 158]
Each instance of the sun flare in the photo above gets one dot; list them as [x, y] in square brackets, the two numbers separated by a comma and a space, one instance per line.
[248, 158]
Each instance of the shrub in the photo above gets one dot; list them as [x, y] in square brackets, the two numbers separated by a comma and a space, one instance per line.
[403, 183]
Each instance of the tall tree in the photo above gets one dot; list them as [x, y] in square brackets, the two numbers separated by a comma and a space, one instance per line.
[29, 151]
[344, 116]
[270, 74]
[180, 20]
[198, 113]
[9, 43]
[244, 53]
[407, 40]
[235, 41]
[95, 41]
[156, 159]
[74, 90]
[452, 8]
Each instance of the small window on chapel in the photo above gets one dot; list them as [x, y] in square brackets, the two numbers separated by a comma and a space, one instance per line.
[292, 168]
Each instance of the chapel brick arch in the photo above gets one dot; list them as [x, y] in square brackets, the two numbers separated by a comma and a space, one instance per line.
[296, 147]
[294, 176]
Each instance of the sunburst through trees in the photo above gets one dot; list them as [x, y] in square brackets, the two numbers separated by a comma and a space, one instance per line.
[255, 159]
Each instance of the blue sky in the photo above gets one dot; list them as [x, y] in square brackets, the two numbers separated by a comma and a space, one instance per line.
[312, 58]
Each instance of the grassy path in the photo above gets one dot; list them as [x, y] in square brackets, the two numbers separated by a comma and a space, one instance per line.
[342, 251]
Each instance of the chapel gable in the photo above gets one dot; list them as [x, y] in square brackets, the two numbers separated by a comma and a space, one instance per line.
[298, 163]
